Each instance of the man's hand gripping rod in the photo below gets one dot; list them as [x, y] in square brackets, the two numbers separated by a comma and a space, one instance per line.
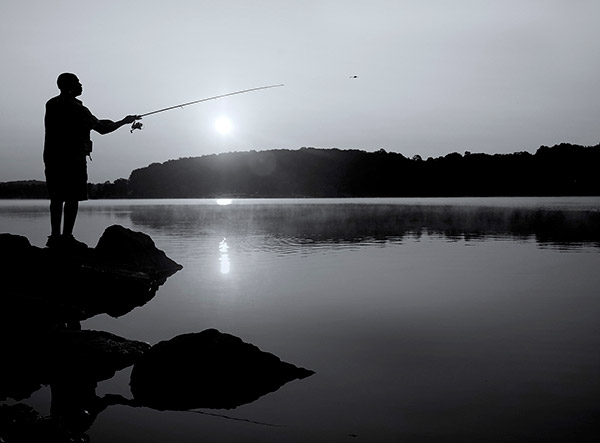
[138, 125]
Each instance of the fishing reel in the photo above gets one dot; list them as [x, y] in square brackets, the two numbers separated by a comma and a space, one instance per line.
[136, 125]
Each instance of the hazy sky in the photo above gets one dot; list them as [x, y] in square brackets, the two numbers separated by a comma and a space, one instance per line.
[433, 76]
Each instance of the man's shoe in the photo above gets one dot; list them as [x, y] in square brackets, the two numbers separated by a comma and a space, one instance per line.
[54, 241]
[69, 242]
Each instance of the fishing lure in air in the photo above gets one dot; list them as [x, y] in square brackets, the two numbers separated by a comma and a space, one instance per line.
[139, 125]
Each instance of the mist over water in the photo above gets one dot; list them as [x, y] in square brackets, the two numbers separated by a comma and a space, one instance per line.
[425, 320]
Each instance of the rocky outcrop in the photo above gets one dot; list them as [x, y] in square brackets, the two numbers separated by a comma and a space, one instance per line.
[122, 272]
[208, 369]
[45, 295]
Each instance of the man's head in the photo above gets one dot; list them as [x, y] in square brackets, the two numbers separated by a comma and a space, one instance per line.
[69, 84]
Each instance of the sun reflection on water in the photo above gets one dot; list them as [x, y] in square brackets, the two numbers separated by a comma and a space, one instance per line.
[224, 258]
[224, 201]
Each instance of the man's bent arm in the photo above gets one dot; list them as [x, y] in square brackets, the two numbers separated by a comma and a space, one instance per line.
[107, 126]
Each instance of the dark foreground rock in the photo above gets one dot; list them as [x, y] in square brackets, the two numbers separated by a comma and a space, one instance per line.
[67, 285]
[208, 369]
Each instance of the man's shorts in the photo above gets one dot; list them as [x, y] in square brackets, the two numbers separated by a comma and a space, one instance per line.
[67, 181]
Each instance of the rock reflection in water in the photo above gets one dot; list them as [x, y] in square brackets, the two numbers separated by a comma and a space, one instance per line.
[71, 363]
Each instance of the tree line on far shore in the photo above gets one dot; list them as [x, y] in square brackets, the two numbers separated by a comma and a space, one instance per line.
[561, 170]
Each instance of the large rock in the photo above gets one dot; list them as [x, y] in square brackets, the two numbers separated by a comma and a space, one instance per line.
[208, 369]
[13, 245]
[133, 250]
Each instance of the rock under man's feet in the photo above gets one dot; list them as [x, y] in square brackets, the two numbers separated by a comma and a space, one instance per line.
[53, 241]
[68, 241]
[64, 242]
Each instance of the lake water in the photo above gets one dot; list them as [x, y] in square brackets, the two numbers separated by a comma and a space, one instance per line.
[425, 320]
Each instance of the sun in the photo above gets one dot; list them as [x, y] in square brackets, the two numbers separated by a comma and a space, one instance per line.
[223, 125]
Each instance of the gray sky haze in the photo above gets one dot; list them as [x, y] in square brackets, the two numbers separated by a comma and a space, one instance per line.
[434, 76]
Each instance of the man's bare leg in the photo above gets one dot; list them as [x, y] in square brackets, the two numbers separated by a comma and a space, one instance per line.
[71, 208]
[56, 209]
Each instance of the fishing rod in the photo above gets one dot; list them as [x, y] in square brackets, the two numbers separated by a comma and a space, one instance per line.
[138, 125]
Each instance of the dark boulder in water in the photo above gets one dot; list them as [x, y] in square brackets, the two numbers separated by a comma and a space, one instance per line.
[208, 369]
[129, 249]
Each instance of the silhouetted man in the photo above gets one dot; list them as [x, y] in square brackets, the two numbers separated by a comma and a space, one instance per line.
[67, 143]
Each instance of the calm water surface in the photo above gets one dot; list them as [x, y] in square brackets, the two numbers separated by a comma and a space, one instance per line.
[424, 319]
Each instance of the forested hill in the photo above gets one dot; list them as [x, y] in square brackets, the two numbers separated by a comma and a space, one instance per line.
[564, 169]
